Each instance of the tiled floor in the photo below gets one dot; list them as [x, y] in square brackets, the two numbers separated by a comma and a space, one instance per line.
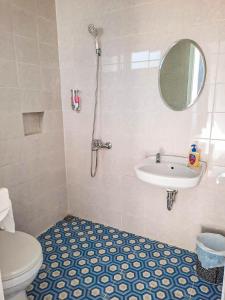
[85, 260]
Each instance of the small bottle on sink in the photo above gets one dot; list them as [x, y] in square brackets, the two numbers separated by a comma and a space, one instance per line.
[194, 157]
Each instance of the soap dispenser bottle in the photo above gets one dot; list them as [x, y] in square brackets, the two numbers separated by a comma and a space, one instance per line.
[194, 157]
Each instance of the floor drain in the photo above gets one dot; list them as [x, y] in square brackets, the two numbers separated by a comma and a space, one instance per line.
[69, 218]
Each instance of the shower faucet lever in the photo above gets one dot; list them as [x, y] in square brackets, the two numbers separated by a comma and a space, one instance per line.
[107, 145]
[99, 51]
[99, 144]
[158, 158]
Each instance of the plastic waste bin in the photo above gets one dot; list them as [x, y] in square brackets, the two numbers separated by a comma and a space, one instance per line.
[210, 250]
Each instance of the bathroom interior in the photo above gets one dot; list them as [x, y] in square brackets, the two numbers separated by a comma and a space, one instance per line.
[102, 193]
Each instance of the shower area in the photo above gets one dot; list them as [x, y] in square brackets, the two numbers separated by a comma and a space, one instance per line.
[96, 144]
[89, 134]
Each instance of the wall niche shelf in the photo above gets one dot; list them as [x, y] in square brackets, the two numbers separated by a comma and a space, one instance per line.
[32, 122]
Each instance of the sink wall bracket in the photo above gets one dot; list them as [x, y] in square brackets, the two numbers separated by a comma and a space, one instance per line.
[171, 197]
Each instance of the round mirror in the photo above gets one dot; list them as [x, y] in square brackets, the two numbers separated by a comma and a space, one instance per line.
[182, 74]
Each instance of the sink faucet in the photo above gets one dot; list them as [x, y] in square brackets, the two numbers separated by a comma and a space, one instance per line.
[158, 158]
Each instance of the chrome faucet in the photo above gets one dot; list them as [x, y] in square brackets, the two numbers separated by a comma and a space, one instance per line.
[106, 145]
[158, 158]
[99, 144]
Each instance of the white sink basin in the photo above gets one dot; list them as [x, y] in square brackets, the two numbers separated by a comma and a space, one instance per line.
[172, 172]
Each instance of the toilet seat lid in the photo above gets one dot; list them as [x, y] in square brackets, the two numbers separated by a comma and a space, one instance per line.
[19, 252]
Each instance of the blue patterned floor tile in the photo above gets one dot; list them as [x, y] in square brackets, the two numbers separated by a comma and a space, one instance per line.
[86, 260]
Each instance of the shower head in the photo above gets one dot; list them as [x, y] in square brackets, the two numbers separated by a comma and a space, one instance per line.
[93, 30]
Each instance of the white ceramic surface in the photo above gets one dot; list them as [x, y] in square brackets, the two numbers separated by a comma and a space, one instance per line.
[20, 260]
[172, 172]
[4, 208]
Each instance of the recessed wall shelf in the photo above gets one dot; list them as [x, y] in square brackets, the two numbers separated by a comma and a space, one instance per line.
[32, 122]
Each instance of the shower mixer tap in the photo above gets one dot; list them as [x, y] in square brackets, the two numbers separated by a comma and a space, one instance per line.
[158, 158]
[99, 144]
[107, 145]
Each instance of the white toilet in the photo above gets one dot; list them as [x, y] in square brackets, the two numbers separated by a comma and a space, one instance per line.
[20, 260]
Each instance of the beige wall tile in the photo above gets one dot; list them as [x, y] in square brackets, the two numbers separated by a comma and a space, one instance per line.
[6, 46]
[10, 125]
[10, 100]
[49, 55]
[10, 151]
[52, 121]
[47, 31]
[50, 79]
[27, 5]
[24, 23]
[8, 73]
[49, 140]
[12, 175]
[51, 100]
[51, 201]
[5, 17]
[46, 9]
[26, 50]
[40, 101]
[29, 76]
[31, 101]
